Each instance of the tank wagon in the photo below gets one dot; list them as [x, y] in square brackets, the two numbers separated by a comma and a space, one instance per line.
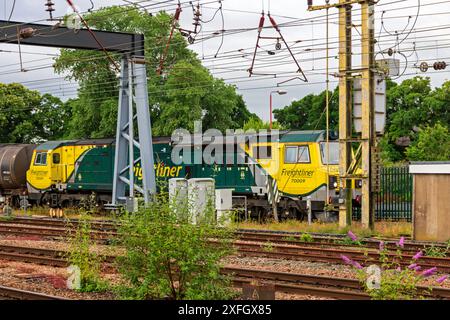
[14, 162]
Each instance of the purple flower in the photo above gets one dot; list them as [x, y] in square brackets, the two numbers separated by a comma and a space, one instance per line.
[442, 279]
[429, 272]
[412, 266]
[381, 245]
[401, 242]
[346, 259]
[357, 265]
[399, 269]
[418, 255]
[352, 236]
[418, 268]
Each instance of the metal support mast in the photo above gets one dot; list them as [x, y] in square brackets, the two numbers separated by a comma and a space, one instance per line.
[368, 135]
[345, 112]
[133, 109]
[348, 162]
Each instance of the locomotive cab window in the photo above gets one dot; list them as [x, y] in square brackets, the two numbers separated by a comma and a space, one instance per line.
[41, 159]
[332, 152]
[262, 152]
[56, 158]
[297, 154]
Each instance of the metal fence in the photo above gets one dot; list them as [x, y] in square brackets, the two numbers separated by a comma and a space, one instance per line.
[394, 201]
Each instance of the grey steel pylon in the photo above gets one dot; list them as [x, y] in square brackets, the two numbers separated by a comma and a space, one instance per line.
[133, 96]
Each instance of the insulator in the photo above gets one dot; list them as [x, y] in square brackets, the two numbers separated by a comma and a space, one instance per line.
[439, 65]
[278, 45]
[27, 33]
[261, 22]
[49, 6]
[274, 24]
[423, 67]
[177, 13]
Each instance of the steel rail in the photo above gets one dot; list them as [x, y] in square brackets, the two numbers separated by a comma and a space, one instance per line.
[19, 294]
[329, 255]
[293, 279]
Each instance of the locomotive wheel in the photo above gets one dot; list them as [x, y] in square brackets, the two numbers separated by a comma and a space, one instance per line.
[260, 214]
[302, 215]
[292, 213]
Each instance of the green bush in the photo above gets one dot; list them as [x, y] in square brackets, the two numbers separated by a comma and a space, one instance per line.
[169, 257]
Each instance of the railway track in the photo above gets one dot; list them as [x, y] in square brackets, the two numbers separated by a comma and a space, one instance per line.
[321, 286]
[273, 245]
[329, 240]
[331, 255]
[108, 229]
[50, 257]
[281, 282]
[101, 225]
[25, 229]
[9, 293]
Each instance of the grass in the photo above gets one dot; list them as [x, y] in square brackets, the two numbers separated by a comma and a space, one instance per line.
[384, 228]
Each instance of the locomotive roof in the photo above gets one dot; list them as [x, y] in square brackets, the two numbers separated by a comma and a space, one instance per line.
[281, 136]
[304, 136]
[51, 145]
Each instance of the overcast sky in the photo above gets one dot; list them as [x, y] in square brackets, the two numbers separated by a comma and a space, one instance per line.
[307, 40]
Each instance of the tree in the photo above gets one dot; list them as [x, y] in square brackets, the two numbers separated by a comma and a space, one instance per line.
[184, 92]
[433, 144]
[241, 114]
[26, 116]
[257, 124]
[308, 113]
[411, 105]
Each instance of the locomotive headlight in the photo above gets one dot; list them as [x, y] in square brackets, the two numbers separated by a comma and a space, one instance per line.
[358, 183]
[332, 182]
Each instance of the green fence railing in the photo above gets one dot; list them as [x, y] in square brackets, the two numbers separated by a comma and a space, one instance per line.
[394, 201]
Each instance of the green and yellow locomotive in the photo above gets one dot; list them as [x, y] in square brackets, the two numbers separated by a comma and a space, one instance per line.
[292, 167]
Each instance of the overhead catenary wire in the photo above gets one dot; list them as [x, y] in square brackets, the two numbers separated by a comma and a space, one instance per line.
[219, 66]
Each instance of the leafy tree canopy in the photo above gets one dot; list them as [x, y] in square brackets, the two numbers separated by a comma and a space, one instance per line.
[308, 113]
[28, 117]
[186, 91]
[257, 124]
[432, 144]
